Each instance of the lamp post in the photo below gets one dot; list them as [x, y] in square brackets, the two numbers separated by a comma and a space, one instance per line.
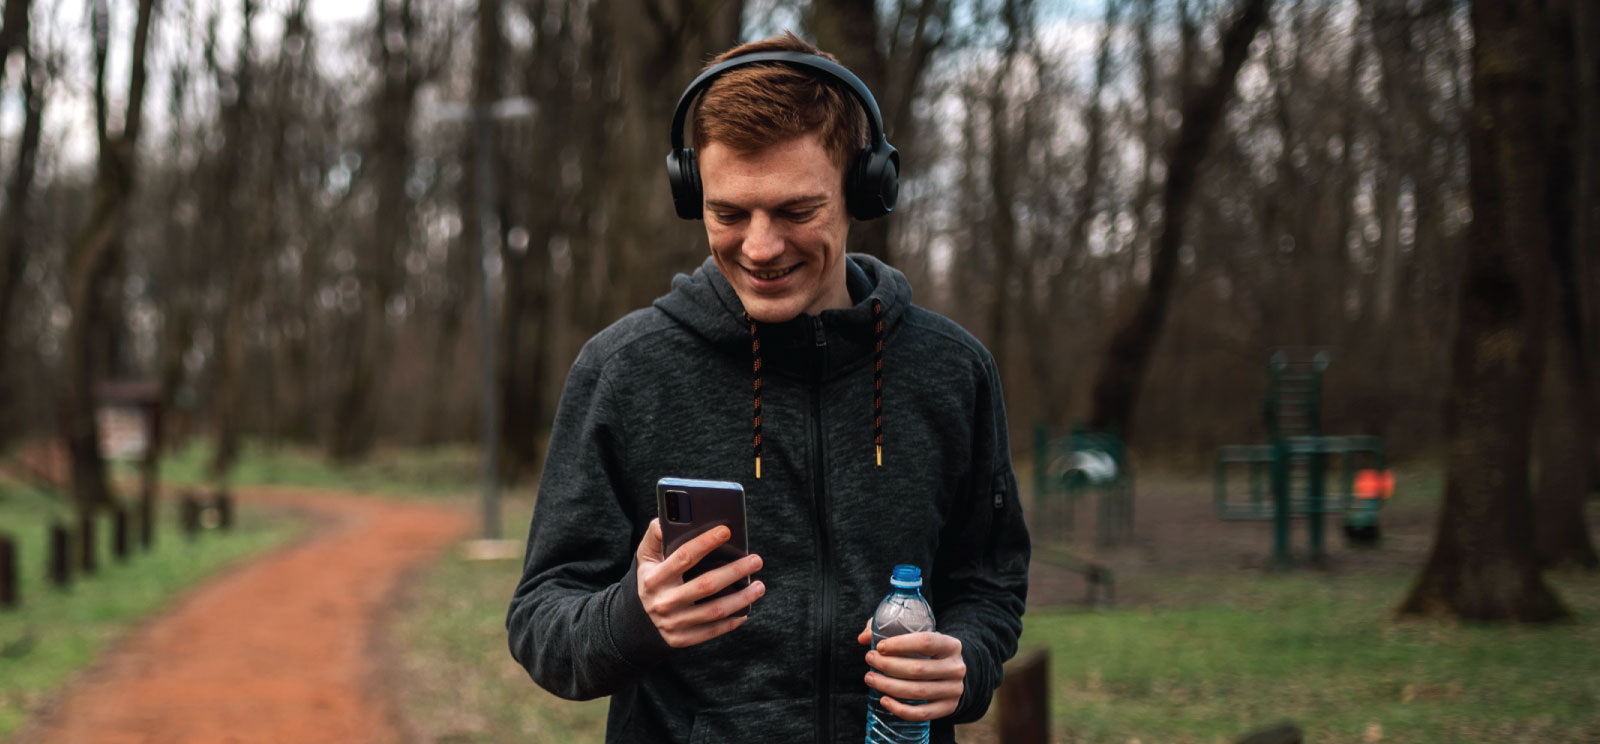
[484, 116]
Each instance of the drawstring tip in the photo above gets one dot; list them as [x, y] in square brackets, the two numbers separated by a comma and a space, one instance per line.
[758, 468]
[879, 447]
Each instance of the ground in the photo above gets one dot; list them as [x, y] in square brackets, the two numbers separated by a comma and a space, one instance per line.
[1178, 533]
[283, 649]
[297, 646]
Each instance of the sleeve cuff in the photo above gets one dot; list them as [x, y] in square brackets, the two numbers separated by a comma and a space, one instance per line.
[977, 689]
[633, 636]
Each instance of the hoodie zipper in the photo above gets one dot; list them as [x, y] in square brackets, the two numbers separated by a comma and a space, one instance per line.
[819, 498]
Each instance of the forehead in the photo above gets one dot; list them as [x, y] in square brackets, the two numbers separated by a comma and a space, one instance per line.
[784, 169]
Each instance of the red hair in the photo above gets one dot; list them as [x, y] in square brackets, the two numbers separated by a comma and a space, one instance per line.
[750, 108]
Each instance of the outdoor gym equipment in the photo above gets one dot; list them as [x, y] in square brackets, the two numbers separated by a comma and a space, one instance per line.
[1082, 463]
[1288, 476]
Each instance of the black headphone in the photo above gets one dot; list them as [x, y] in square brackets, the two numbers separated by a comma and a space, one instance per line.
[870, 188]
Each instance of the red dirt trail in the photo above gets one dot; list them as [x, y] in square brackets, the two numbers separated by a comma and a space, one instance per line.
[284, 649]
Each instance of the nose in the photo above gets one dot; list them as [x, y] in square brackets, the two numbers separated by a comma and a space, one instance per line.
[763, 241]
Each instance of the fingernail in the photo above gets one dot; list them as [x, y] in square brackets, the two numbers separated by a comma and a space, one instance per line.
[760, 588]
[755, 561]
[724, 532]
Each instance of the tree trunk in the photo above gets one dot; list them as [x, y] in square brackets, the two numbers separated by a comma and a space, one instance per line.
[848, 29]
[14, 233]
[1566, 442]
[1483, 565]
[1122, 373]
[91, 258]
[369, 344]
[234, 230]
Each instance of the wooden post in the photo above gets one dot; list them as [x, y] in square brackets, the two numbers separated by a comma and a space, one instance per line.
[119, 533]
[1283, 733]
[224, 506]
[147, 521]
[1025, 699]
[88, 554]
[60, 555]
[189, 515]
[8, 573]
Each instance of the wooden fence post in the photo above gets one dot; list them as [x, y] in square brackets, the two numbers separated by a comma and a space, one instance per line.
[1283, 733]
[60, 555]
[8, 573]
[189, 515]
[224, 506]
[119, 533]
[1025, 699]
[88, 553]
[147, 521]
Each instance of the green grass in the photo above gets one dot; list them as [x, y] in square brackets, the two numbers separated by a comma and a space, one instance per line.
[1326, 653]
[1223, 655]
[446, 471]
[458, 682]
[56, 633]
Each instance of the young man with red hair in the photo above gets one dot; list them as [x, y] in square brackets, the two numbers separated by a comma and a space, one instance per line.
[879, 439]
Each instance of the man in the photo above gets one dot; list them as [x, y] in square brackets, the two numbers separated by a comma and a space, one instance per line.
[879, 438]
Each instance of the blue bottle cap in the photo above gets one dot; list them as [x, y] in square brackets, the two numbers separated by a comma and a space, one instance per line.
[906, 576]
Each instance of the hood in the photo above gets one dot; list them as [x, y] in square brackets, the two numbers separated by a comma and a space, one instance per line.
[705, 303]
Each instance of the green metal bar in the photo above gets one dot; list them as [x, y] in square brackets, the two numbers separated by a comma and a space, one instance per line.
[1316, 474]
[1280, 502]
[1041, 463]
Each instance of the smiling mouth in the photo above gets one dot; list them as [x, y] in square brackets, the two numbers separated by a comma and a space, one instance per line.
[771, 274]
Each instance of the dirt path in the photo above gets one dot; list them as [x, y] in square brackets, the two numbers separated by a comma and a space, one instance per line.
[279, 650]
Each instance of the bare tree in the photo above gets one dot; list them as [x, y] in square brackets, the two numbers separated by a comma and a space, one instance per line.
[94, 253]
[1566, 438]
[14, 236]
[1483, 565]
[1116, 388]
[892, 55]
[402, 62]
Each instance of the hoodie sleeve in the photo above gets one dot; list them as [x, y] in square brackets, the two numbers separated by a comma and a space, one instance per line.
[982, 584]
[576, 622]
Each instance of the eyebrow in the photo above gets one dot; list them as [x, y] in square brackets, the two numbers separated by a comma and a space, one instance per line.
[795, 202]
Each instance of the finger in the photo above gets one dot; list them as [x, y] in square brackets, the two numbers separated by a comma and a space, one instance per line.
[717, 579]
[905, 667]
[865, 638]
[721, 607]
[701, 633]
[925, 712]
[932, 645]
[905, 689]
[690, 553]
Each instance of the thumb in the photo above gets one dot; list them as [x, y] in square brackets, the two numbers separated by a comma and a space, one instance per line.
[865, 637]
[650, 547]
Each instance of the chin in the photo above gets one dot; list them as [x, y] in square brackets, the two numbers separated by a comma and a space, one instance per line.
[772, 311]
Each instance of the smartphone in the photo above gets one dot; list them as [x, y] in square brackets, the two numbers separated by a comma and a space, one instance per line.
[689, 508]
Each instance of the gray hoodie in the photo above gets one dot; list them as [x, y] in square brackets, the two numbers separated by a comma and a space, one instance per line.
[667, 391]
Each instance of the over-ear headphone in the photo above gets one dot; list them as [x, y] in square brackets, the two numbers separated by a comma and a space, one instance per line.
[872, 185]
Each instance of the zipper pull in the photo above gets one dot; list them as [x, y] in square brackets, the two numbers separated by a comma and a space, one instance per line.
[816, 324]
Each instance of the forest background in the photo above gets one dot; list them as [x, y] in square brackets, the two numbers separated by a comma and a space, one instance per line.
[270, 209]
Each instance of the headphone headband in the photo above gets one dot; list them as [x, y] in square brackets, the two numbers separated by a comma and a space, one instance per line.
[811, 62]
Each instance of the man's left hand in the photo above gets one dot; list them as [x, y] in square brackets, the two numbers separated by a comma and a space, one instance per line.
[899, 675]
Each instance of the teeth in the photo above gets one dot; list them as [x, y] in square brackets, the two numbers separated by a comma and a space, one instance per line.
[769, 275]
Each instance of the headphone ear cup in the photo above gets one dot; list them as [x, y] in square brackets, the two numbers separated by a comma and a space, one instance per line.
[874, 183]
[683, 175]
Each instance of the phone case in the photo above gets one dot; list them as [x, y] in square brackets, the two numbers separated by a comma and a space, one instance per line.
[709, 504]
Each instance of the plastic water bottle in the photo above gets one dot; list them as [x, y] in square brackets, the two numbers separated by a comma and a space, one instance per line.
[903, 611]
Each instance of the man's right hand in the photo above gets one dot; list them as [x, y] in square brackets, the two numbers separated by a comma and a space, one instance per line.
[671, 603]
